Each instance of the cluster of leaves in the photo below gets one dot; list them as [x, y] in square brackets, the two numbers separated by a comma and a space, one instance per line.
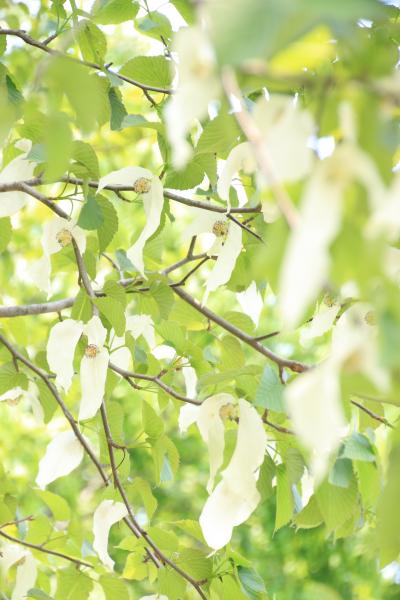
[304, 271]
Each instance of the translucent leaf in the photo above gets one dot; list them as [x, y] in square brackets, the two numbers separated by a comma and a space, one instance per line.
[115, 12]
[270, 391]
[5, 232]
[109, 227]
[92, 41]
[91, 215]
[150, 70]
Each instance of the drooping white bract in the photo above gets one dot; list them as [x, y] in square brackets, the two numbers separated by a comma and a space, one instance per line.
[190, 378]
[93, 370]
[227, 245]
[136, 325]
[197, 86]
[306, 260]
[209, 420]
[150, 188]
[61, 346]
[236, 495]
[386, 217]
[285, 130]
[63, 454]
[10, 554]
[57, 233]
[313, 398]
[13, 395]
[18, 169]
[251, 302]
[313, 402]
[106, 514]
[322, 321]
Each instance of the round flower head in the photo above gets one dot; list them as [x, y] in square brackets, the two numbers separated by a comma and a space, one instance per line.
[142, 185]
[64, 237]
[220, 228]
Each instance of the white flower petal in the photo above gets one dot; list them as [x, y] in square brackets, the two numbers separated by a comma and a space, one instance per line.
[226, 261]
[63, 454]
[141, 325]
[190, 378]
[12, 394]
[9, 555]
[153, 202]
[18, 169]
[251, 302]
[93, 375]
[39, 273]
[321, 322]
[106, 514]
[95, 331]
[187, 416]
[314, 405]
[241, 158]
[25, 577]
[61, 345]
[53, 227]
[236, 496]
[212, 430]
[126, 177]
[198, 85]
[203, 221]
[286, 130]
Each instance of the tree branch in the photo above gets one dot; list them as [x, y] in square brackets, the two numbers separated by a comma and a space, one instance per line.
[41, 548]
[45, 48]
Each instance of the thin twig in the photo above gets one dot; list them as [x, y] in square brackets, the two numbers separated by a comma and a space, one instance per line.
[372, 414]
[41, 548]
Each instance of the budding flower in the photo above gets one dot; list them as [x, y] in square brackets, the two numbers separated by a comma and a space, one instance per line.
[64, 237]
[229, 411]
[220, 228]
[91, 351]
[142, 185]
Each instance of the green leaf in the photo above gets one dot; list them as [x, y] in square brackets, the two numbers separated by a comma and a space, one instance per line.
[310, 516]
[270, 391]
[35, 593]
[92, 42]
[149, 70]
[3, 44]
[57, 144]
[91, 215]
[358, 447]
[164, 296]
[85, 156]
[118, 110]
[252, 584]
[142, 487]
[10, 378]
[191, 176]
[46, 400]
[171, 584]
[114, 312]
[155, 25]
[114, 588]
[113, 12]
[284, 498]
[140, 121]
[82, 307]
[72, 585]
[341, 473]
[196, 563]
[116, 291]
[219, 136]
[240, 320]
[337, 504]
[5, 231]
[109, 226]
[152, 423]
[58, 505]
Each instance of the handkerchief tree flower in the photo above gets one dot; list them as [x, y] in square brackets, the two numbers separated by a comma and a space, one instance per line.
[199, 300]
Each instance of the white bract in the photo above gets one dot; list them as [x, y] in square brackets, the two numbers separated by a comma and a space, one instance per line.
[227, 245]
[251, 302]
[61, 345]
[18, 169]
[306, 260]
[209, 419]
[137, 326]
[197, 86]
[106, 514]
[150, 188]
[63, 454]
[236, 495]
[57, 233]
[313, 399]
[323, 319]
[10, 554]
[285, 130]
